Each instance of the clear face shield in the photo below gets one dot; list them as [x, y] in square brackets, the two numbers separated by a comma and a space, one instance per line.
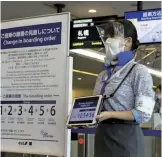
[112, 36]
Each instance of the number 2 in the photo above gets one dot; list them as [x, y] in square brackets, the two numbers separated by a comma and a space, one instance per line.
[9, 113]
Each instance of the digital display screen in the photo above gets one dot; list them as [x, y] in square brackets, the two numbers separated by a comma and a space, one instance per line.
[84, 33]
[84, 110]
[148, 25]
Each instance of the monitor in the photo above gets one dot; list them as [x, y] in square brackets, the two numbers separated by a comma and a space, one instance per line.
[148, 25]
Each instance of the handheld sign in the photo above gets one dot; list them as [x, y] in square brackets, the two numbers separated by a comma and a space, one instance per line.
[84, 111]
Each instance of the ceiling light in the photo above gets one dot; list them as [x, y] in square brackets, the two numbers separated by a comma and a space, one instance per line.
[79, 78]
[92, 11]
[95, 55]
[155, 72]
[84, 72]
[91, 74]
[89, 53]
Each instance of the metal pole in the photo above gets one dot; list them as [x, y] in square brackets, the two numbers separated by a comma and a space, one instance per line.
[2, 154]
[59, 7]
[139, 5]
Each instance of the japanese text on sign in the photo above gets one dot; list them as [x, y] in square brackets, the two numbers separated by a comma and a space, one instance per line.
[46, 34]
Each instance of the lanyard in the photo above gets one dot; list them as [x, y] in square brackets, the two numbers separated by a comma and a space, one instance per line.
[109, 73]
[118, 72]
[112, 94]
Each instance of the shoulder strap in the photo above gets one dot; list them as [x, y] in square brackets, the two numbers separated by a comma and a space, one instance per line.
[112, 94]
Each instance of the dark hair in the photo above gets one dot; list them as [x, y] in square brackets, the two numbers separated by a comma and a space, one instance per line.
[130, 31]
[159, 87]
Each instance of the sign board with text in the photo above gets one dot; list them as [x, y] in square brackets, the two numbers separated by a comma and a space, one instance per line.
[147, 23]
[34, 54]
[84, 33]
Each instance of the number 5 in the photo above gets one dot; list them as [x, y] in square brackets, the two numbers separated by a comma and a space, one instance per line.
[41, 109]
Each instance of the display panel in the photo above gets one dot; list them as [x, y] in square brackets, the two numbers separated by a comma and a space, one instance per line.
[148, 25]
[84, 33]
[84, 110]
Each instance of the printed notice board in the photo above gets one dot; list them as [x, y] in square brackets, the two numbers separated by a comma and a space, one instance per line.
[34, 55]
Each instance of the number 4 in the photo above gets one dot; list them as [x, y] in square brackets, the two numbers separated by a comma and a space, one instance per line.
[31, 110]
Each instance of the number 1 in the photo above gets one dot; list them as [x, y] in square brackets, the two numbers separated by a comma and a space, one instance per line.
[1, 110]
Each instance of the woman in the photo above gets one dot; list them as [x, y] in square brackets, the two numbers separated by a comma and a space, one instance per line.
[157, 99]
[118, 133]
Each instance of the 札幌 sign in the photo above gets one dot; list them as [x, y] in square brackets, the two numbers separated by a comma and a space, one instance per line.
[84, 33]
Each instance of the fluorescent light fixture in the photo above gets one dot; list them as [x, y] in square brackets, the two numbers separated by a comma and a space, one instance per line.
[84, 72]
[95, 55]
[155, 72]
[148, 63]
[79, 78]
[91, 74]
[89, 53]
[92, 11]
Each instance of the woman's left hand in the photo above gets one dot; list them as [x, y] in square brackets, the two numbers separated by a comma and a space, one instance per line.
[103, 116]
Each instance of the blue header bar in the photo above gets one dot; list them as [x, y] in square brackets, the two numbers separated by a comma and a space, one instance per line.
[30, 102]
[146, 15]
[31, 36]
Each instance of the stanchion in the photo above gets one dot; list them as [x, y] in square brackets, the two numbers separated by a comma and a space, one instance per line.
[3, 154]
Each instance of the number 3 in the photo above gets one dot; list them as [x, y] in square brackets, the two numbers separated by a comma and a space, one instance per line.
[20, 110]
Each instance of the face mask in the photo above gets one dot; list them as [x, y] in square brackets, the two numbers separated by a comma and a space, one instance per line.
[112, 47]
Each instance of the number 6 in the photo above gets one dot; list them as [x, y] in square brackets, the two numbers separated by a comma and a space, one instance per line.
[53, 111]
